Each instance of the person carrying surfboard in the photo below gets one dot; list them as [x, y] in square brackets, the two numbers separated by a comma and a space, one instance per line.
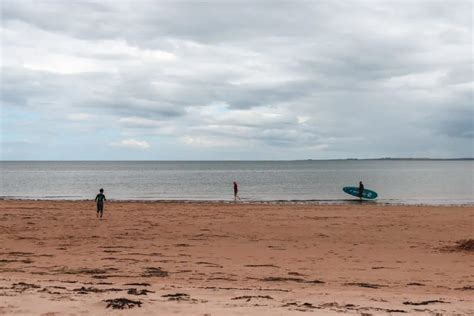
[361, 189]
[361, 192]
[100, 199]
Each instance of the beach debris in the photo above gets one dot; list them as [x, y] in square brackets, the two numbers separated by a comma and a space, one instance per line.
[276, 247]
[49, 289]
[177, 297]
[84, 271]
[465, 244]
[283, 279]
[461, 245]
[378, 268]
[22, 286]
[261, 265]
[138, 284]
[63, 281]
[364, 310]
[56, 287]
[466, 288]
[416, 284]
[138, 292]
[329, 305]
[366, 285]
[242, 289]
[122, 303]
[15, 260]
[84, 290]
[182, 297]
[315, 282]
[423, 302]
[296, 274]
[19, 253]
[301, 306]
[338, 307]
[155, 272]
[221, 278]
[250, 297]
[209, 264]
[286, 279]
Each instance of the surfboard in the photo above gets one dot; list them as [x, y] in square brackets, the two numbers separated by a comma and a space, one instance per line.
[367, 194]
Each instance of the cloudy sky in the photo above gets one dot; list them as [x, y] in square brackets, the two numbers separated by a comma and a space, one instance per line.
[162, 80]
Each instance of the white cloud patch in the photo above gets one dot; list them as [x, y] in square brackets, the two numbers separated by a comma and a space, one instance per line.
[80, 117]
[138, 122]
[131, 143]
[207, 141]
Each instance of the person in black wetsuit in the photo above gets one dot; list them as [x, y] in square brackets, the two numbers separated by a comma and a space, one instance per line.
[100, 199]
[361, 189]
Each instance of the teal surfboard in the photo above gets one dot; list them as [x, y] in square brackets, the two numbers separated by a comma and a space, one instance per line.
[367, 194]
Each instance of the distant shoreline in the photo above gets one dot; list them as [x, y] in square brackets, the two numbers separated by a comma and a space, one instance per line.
[255, 202]
[284, 160]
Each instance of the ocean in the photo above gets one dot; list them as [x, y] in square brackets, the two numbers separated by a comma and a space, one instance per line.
[430, 182]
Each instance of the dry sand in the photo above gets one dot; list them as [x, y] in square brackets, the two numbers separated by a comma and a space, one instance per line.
[57, 258]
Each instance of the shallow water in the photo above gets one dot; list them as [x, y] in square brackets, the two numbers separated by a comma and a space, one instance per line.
[406, 182]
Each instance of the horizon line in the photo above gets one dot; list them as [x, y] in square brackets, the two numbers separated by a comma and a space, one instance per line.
[229, 160]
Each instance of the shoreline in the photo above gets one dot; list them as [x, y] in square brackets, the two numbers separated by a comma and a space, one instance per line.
[379, 202]
[57, 258]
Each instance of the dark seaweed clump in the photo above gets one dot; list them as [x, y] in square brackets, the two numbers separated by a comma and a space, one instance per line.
[122, 303]
[466, 245]
[155, 272]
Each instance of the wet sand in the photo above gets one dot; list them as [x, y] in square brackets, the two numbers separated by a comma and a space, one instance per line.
[57, 258]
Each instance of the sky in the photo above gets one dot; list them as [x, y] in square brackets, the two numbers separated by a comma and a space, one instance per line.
[236, 80]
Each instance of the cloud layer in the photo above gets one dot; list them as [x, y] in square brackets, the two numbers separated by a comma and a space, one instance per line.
[236, 80]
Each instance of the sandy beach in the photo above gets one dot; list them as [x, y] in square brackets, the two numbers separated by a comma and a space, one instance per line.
[57, 258]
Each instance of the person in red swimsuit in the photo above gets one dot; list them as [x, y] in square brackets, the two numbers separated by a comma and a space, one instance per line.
[236, 191]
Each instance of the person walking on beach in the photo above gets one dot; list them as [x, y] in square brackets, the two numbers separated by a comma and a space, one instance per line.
[100, 199]
[361, 189]
[236, 192]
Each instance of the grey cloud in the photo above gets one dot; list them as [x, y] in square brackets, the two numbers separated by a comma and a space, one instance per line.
[339, 74]
[457, 121]
[144, 21]
[222, 21]
[43, 90]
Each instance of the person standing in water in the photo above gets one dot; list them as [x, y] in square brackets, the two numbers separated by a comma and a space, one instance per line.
[236, 191]
[100, 199]
[361, 189]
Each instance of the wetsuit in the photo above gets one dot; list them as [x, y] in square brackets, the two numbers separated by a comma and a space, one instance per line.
[361, 190]
[100, 198]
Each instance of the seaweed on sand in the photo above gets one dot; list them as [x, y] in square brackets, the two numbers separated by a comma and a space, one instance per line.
[134, 291]
[122, 303]
[461, 245]
[466, 245]
[177, 297]
[155, 272]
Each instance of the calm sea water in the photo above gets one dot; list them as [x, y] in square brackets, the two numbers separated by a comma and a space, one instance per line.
[408, 182]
